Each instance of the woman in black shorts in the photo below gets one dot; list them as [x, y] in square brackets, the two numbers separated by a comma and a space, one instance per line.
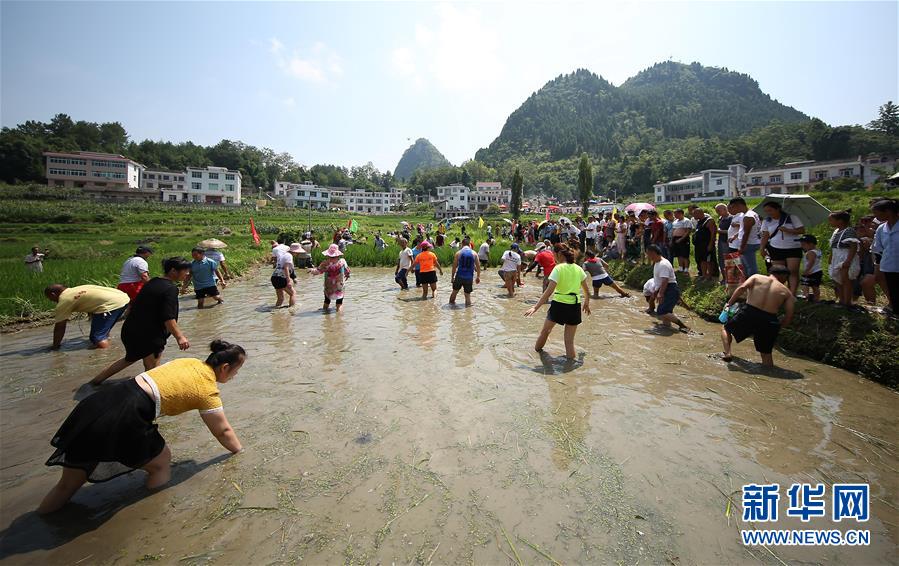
[153, 318]
[570, 295]
[780, 241]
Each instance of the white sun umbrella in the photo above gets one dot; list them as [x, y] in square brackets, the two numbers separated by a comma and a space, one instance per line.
[807, 209]
[212, 244]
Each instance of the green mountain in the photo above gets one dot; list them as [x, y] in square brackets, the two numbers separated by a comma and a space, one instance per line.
[420, 155]
[582, 112]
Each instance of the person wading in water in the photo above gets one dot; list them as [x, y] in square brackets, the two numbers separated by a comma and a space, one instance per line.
[765, 294]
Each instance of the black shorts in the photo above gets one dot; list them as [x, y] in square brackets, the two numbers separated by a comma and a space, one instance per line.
[427, 277]
[464, 284]
[591, 242]
[139, 345]
[778, 254]
[813, 280]
[484, 263]
[207, 292]
[563, 313]
[279, 282]
[751, 321]
[680, 249]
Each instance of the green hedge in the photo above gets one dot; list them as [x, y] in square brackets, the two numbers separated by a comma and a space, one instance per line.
[856, 341]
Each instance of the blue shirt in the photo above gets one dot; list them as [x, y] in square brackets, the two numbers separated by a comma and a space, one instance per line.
[465, 266]
[886, 242]
[415, 252]
[203, 273]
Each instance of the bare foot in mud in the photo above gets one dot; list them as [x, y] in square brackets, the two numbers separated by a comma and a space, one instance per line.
[726, 358]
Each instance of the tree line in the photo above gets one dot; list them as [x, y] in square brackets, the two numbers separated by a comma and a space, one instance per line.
[22, 160]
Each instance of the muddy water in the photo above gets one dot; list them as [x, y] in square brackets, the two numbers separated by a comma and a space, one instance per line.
[403, 431]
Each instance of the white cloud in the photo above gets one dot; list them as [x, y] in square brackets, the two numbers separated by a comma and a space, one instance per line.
[275, 47]
[289, 102]
[403, 61]
[443, 54]
[316, 64]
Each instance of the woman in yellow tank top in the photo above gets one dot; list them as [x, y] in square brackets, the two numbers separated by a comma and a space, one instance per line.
[114, 432]
[570, 295]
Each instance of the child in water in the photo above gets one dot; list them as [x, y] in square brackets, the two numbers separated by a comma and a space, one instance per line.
[336, 272]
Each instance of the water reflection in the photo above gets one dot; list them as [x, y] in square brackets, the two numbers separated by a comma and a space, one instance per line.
[570, 398]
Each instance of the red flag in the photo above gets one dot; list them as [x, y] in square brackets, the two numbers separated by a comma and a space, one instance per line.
[349, 223]
[254, 232]
[547, 214]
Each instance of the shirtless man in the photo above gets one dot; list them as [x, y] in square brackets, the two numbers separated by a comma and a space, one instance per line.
[765, 294]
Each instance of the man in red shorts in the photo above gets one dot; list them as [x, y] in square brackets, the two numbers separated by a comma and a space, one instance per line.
[135, 272]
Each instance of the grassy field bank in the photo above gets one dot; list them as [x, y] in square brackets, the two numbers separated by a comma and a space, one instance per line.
[860, 342]
[88, 241]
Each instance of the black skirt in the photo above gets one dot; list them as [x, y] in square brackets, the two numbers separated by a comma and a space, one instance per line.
[109, 434]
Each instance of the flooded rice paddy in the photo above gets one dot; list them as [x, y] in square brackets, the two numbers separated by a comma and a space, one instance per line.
[405, 432]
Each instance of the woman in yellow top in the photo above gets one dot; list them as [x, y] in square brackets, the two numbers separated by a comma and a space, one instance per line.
[568, 288]
[113, 432]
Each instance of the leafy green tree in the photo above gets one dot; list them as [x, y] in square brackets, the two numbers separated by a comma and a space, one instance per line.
[585, 183]
[517, 185]
[887, 119]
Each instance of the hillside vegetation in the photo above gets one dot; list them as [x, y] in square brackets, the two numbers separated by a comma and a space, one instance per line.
[421, 155]
[666, 122]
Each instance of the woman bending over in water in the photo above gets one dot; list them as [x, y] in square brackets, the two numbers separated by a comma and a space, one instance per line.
[114, 432]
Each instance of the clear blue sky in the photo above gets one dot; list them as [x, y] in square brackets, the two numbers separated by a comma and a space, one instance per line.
[347, 83]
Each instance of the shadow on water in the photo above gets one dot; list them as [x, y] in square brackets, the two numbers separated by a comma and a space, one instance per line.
[661, 330]
[27, 351]
[271, 308]
[752, 368]
[551, 365]
[30, 531]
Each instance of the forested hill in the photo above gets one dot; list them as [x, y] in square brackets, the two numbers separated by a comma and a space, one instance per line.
[692, 100]
[420, 155]
[582, 112]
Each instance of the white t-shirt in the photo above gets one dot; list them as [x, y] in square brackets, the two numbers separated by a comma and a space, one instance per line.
[215, 255]
[132, 269]
[35, 262]
[661, 271]
[511, 261]
[591, 230]
[284, 260]
[754, 234]
[406, 259]
[573, 231]
[682, 224]
[280, 249]
[484, 251]
[733, 231]
[780, 240]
